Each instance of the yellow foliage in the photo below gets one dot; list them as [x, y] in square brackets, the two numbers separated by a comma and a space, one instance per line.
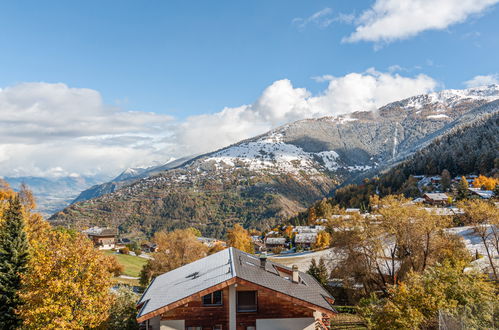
[323, 240]
[239, 238]
[67, 282]
[67, 285]
[175, 249]
[487, 183]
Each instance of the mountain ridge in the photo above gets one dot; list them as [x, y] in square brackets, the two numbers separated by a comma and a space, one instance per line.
[282, 171]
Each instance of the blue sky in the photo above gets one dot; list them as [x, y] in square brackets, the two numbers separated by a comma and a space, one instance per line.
[97, 86]
[191, 57]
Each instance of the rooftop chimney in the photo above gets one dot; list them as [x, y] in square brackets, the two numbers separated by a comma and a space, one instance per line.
[296, 278]
[263, 259]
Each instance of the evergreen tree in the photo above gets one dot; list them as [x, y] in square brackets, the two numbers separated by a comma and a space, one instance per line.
[445, 181]
[13, 260]
[319, 271]
[462, 189]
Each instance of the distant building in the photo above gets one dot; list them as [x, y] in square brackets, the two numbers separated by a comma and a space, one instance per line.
[103, 238]
[210, 242]
[436, 198]
[235, 290]
[305, 240]
[149, 247]
[273, 242]
[484, 194]
[308, 229]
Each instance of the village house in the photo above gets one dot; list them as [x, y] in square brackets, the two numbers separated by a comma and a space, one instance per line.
[235, 290]
[274, 242]
[436, 198]
[103, 238]
[149, 247]
[308, 229]
[210, 242]
[305, 240]
[483, 194]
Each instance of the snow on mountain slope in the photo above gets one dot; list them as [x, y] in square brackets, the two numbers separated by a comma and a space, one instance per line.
[337, 147]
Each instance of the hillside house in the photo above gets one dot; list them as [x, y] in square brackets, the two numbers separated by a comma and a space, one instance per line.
[210, 242]
[483, 194]
[234, 290]
[305, 240]
[436, 198]
[149, 247]
[103, 238]
[273, 242]
[308, 229]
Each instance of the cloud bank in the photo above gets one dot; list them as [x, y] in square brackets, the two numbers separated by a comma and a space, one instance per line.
[52, 130]
[55, 130]
[390, 20]
[482, 80]
[281, 102]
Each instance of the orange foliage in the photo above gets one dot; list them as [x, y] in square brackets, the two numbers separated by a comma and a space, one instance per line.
[487, 183]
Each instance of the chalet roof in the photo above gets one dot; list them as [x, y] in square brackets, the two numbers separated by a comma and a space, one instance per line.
[306, 238]
[308, 229]
[98, 231]
[486, 194]
[275, 240]
[220, 267]
[437, 196]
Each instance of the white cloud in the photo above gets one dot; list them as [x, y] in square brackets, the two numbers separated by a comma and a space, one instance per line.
[482, 80]
[322, 19]
[390, 20]
[53, 130]
[281, 102]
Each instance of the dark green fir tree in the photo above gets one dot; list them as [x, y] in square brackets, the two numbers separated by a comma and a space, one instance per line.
[13, 263]
[319, 271]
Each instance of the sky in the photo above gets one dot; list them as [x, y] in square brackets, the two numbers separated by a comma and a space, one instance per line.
[94, 87]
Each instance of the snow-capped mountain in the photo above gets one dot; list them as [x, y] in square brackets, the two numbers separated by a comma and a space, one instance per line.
[276, 174]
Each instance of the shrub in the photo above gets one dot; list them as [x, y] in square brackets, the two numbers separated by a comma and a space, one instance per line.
[125, 250]
[277, 250]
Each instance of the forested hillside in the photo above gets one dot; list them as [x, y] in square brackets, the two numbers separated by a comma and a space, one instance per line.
[470, 149]
[261, 181]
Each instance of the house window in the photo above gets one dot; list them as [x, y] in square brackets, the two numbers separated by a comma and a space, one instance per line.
[246, 301]
[213, 299]
[217, 327]
[194, 328]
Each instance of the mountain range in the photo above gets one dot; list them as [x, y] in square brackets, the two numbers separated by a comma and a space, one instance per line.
[262, 180]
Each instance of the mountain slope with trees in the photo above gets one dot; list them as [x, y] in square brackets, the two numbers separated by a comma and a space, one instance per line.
[261, 181]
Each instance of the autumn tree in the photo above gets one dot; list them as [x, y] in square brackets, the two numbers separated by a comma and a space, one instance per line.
[445, 180]
[483, 216]
[319, 271]
[175, 249]
[67, 283]
[217, 247]
[416, 302]
[323, 240]
[485, 182]
[13, 263]
[239, 238]
[123, 311]
[398, 237]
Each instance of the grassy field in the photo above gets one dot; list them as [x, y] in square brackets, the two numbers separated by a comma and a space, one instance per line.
[132, 264]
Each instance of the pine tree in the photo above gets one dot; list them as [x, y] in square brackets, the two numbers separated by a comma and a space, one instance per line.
[462, 189]
[13, 260]
[319, 271]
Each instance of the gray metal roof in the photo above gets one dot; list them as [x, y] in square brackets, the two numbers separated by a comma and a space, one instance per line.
[220, 267]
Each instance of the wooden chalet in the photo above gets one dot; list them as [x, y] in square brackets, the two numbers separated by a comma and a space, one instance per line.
[436, 198]
[103, 238]
[236, 291]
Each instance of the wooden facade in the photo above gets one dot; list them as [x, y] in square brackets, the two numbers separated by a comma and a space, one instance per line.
[270, 305]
